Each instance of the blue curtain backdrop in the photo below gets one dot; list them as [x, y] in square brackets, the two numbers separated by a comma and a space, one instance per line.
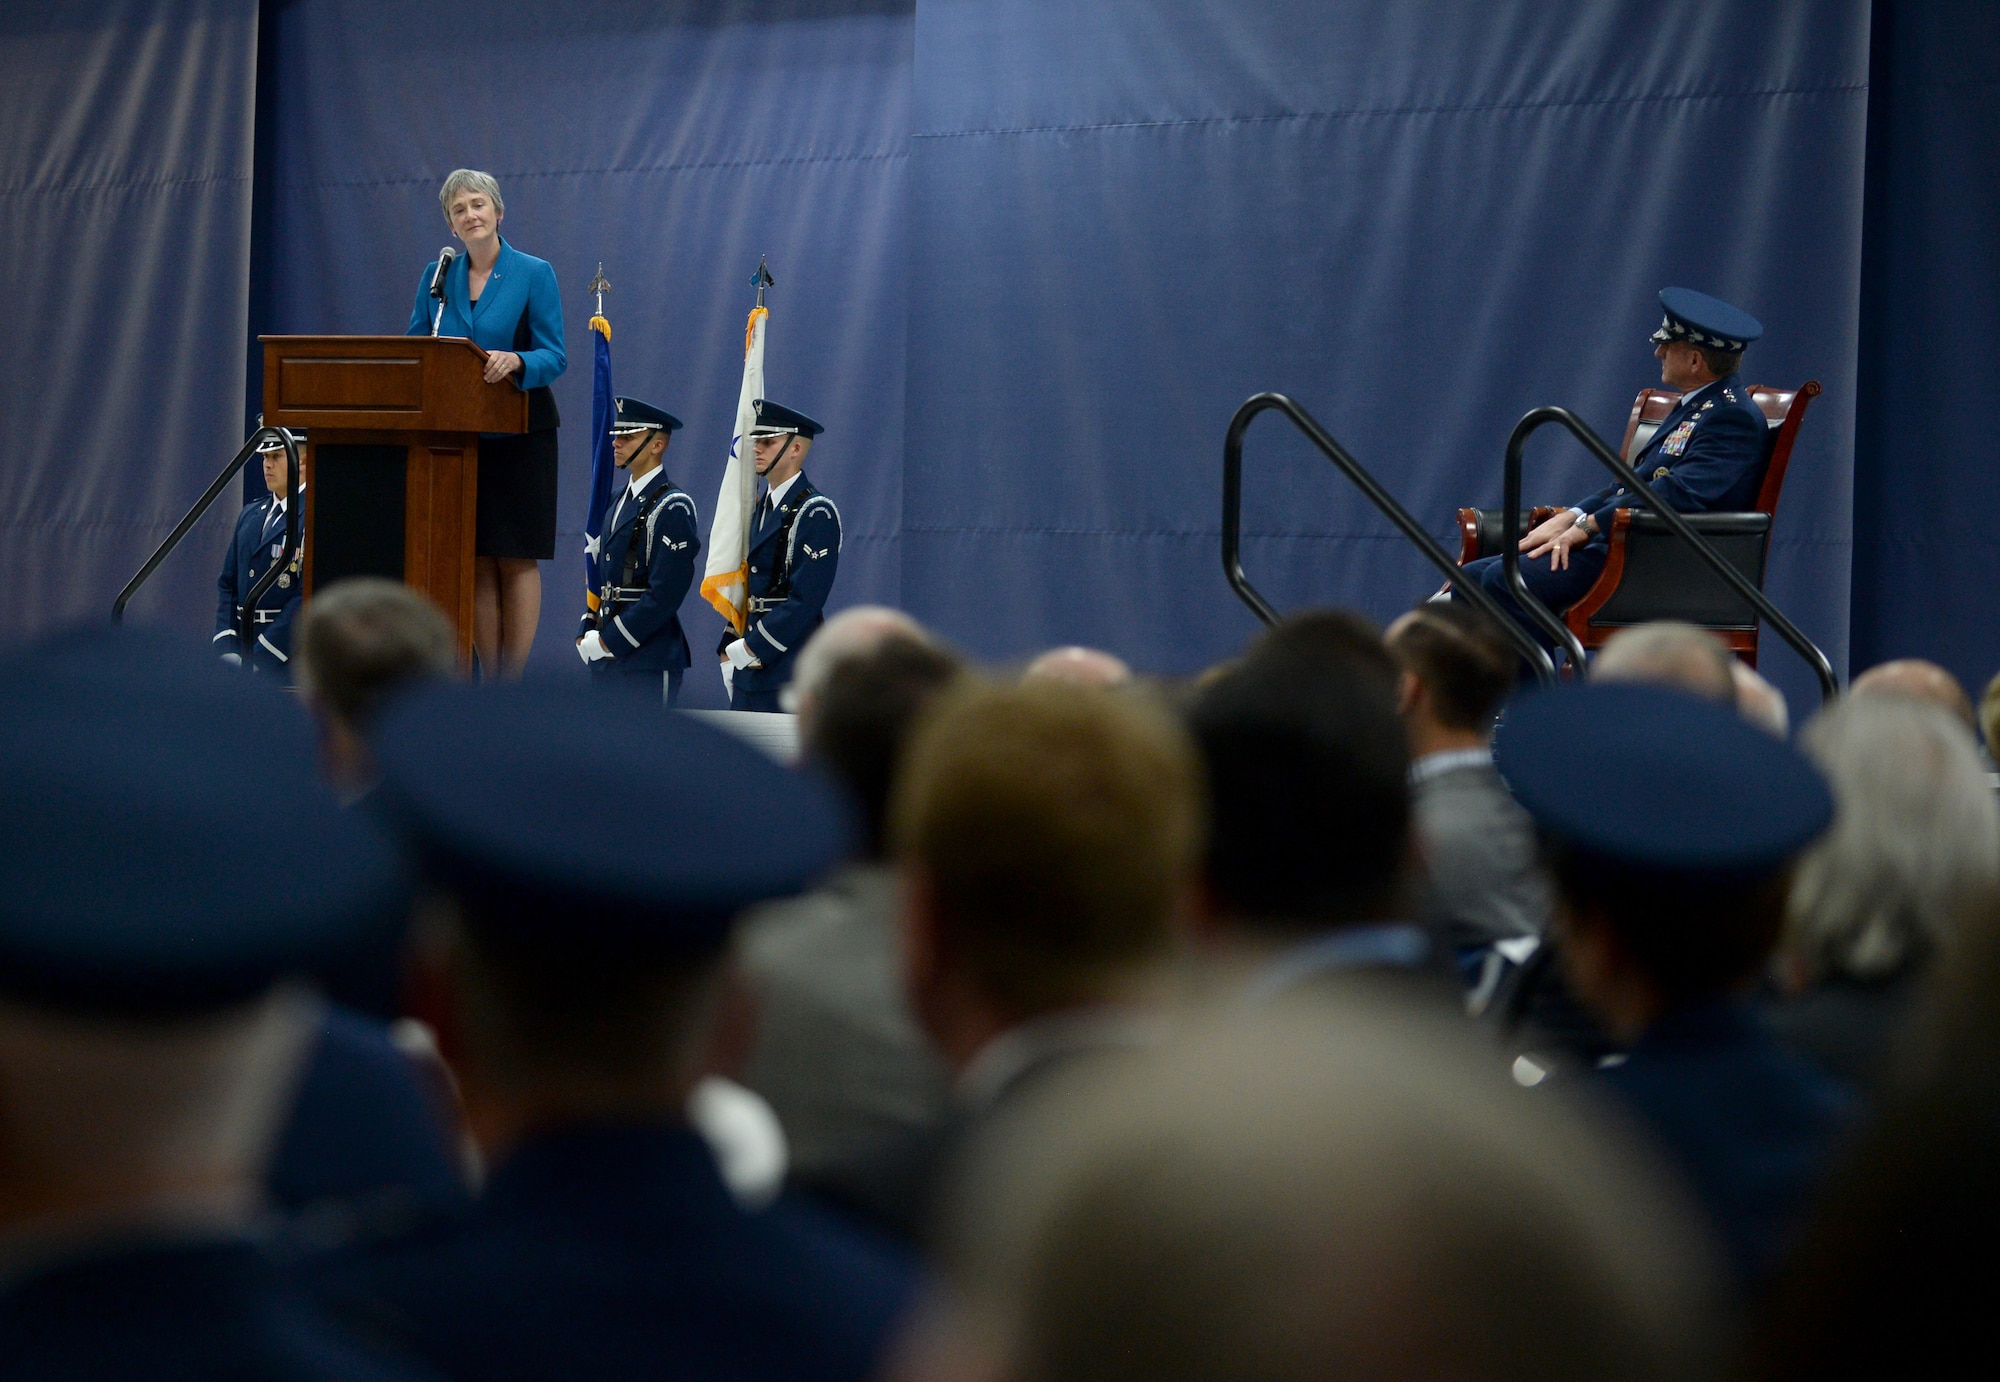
[673, 142]
[1030, 257]
[1419, 220]
[1927, 551]
[124, 273]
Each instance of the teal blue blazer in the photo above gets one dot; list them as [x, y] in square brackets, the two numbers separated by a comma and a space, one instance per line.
[519, 310]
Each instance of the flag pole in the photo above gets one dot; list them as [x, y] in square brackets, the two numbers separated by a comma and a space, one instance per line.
[760, 281]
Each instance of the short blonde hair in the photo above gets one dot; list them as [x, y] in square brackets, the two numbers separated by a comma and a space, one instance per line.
[1916, 839]
[1056, 827]
[469, 180]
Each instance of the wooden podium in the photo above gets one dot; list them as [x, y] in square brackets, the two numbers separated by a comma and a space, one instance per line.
[391, 461]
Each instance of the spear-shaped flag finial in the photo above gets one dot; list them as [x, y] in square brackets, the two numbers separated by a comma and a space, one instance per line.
[762, 279]
[599, 285]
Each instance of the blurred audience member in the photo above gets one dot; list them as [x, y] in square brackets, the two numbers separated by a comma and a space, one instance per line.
[1894, 1278]
[1759, 702]
[1486, 880]
[1989, 720]
[360, 641]
[853, 632]
[1668, 653]
[1308, 873]
[572, 964]
[1325, 1192]
[1916, 836]
[1049, 836]
[854, 1080]
[155, 1012]
[1673, 857]
[1914, 679]
[1078, 667]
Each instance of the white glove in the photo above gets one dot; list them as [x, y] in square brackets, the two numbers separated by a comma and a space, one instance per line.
[591, 647]
[739, 655]
[233, 659]
[728, 679]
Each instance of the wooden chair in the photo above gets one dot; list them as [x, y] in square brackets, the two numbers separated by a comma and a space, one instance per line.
[1649, 573]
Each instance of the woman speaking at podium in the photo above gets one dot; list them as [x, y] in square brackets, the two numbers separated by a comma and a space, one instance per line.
[506, 302]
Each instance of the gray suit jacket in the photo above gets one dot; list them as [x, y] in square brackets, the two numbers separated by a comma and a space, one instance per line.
[852, 1077]
[1486, 879]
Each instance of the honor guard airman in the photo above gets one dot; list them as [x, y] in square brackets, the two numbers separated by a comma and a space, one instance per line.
[647, 560]
[794, 552]
[1707, 456]
[259, 541]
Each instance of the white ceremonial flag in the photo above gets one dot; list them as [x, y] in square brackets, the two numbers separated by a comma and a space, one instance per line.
[725, 581]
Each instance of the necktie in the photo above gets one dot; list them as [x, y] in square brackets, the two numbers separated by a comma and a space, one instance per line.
[763, 510]
[273, 521]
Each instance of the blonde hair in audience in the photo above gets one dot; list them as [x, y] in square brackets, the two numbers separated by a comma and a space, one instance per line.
[1056, 828]
[1917, 836]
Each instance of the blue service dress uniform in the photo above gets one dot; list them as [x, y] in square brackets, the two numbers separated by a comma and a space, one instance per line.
[615, 1251]
[259, 540]
[1707, 457]
[647, 561]
[794, 553]
[1751, 1126]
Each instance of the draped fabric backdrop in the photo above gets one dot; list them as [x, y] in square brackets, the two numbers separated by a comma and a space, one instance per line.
[1420, 220]
[1030, 257]
[1927, 548]
[124, 275]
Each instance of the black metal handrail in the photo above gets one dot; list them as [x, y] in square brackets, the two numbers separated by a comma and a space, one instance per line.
[1510, 538]
[247, 610]
[1232, 524]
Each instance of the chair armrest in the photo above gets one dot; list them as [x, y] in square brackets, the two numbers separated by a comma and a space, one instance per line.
[1479, 530]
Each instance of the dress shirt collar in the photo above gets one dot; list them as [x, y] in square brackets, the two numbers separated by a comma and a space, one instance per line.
[1449, 761]
[1003, 1061]
[778, 492]
[636, 486]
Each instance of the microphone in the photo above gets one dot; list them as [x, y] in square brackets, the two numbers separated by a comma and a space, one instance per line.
[445, 256]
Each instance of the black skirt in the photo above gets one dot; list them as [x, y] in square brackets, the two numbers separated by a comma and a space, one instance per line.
[517, 496]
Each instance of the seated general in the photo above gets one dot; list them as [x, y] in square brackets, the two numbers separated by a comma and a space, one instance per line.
[1706, 457]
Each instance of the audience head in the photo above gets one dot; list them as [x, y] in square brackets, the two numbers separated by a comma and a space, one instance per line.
[1672, 852]
[1915, 838]
[360, 642]
[1915, 679]
[1048, 834]
[855, 631]
[569, 959]
[1668, 653]
[1313, 1193]
[1759, 702]
[863, 712]
[154, 1002]
[1457, 669]
[1078, 667]
[1307, 767]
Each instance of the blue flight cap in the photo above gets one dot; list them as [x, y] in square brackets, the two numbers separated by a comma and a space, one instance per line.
[633, 416]
[511, 794]
[775, 419]
[1702, 320]
[171, 849]
[1675, 784]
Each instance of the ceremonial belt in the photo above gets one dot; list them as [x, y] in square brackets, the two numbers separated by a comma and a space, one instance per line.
[760, 604]
[622, 594]
[260, 616]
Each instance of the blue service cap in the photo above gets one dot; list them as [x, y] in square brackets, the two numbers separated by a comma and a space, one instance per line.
[1702, 320]
[1677, 785]
[630, 415]
[170, 848]
[589, 822]
[297, 434]
[775, 419]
